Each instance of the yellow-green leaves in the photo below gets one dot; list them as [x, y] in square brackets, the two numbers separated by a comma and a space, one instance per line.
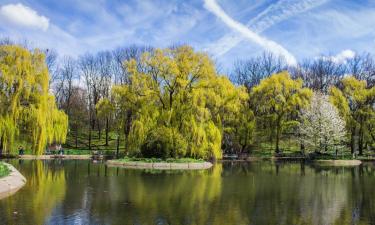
[104, 108]
[28, 112]
[277, 98]
[355, 103]
[176, 94]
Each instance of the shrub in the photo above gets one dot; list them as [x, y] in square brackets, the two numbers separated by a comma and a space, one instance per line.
[4, 170]
[164, 142]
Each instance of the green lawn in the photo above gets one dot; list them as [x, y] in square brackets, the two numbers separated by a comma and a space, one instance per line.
[4, 170]
[153, 160]
[97, 142]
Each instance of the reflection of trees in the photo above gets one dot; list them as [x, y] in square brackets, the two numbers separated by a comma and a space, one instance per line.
[44, 189]
[253, 193]
[170, 197]
[323, 199]
[292, 193]
[237, 193]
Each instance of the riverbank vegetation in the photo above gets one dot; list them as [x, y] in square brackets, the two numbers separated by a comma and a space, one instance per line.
[143, 102]
[4, 170]
[159, 160]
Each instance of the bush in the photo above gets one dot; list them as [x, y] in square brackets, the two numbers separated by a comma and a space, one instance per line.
[4, 170]
[164, 142]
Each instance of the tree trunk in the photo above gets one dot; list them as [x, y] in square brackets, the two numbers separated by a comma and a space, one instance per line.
[302, 148]
[106, 131]
[277, 139]
[76, 136]
[352, 141]
[1, 146]
[99, 131]
[118, 145]
[90, 138]
[360, 141]
[278, 128]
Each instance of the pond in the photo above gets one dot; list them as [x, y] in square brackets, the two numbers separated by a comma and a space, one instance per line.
[84, 192]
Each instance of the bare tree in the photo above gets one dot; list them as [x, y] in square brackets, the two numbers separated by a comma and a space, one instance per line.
[362, 67]
[88, 68]
[120, 55]
[78, 111]
[6, 41]
[51, 62]
[320, 74]
[105, 71]
[250, 72]
[67, 74]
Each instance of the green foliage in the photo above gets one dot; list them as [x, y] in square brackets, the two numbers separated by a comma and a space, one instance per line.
[355, 103]
[164, 142]
[28, 111]
[104, 108]
[277, 101]
[4, 170]
[178, 105]
[156, 160]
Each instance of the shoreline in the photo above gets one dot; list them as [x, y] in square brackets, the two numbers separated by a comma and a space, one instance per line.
[324, 162]
[353, 162]
[11, 183]
[160, 165]
[82, 157]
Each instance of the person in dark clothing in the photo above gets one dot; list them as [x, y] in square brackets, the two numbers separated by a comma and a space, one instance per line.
[21, 151]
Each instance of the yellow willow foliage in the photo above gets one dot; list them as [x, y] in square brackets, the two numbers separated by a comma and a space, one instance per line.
[354, 103]
[276, 98]
[354, 99]
[104, 108]
[27, 110]
[280, 94]
[178, 90]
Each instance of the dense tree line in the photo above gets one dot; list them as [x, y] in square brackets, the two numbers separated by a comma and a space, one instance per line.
[173, 102]
[349, 84]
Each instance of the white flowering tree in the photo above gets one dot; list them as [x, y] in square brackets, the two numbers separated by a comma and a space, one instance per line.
[321, 126]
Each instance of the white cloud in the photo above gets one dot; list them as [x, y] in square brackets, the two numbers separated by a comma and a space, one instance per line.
[23, 16]
[342, 57]
[272, 15]
[269, 45]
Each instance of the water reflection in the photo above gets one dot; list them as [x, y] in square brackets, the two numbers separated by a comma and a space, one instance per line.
[44, 189]
[80, 192]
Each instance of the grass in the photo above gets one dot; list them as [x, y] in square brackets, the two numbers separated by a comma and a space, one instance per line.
[291, 148]
[97, 143]
[4, 170]
[156, 160]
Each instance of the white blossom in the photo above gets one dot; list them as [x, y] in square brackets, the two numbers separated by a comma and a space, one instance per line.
[321, 126]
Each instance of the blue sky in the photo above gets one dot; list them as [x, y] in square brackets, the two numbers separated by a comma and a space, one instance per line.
[228, 30]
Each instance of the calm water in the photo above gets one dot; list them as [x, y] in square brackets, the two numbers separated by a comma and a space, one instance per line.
[82, 192]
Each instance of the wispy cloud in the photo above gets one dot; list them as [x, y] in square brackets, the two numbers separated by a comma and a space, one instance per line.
[23, 16]
[269, 45]
[272, 15]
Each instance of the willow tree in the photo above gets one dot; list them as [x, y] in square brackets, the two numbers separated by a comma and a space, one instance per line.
[179, 106]
[279, 99]
[28, 113]
[355, 102]
[104, 110]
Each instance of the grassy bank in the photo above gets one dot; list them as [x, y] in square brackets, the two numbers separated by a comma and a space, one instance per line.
[158, 160]
[261, 148]
[4, 170]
